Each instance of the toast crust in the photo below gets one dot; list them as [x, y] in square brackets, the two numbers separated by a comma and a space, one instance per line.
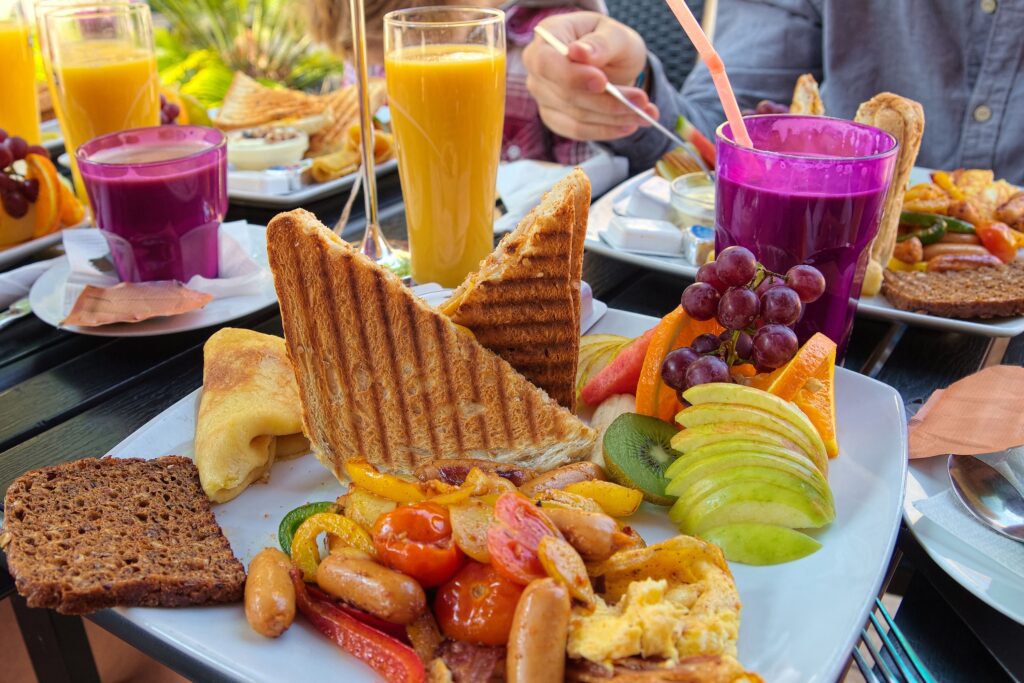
[99, 532]
[385, 377]
[523, 302]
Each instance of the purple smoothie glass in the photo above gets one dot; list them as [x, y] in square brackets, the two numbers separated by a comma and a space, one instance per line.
[158, 195]
[811, 191]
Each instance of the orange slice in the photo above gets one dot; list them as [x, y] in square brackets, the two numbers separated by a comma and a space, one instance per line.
[818, 402]
[72, 211]
[676, 330]
[47, 204]
[791, 377]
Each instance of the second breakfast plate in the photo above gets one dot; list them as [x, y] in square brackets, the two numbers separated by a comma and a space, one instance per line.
[816, 606]
[874, 307]
[49, 301]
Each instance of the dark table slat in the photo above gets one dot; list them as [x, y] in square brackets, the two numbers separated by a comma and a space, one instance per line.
[77, 384]
[30, 336]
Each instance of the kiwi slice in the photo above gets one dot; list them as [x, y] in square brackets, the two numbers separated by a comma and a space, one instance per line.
[637, 452]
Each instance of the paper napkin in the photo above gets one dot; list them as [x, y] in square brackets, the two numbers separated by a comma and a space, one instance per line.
[521, 184]
[15, 284]
[946, 510]
[979, 414]
[91, 264]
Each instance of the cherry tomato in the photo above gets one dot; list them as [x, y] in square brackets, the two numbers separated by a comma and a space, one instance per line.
[417, 541]
[514, 535]
[477, 605]
[998, 239]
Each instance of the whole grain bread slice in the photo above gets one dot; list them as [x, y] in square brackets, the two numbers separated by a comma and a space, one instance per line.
[979, 293]
[106, 532]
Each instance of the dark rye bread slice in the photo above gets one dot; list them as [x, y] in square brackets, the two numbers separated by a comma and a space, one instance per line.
[98, 533]
[979, 293]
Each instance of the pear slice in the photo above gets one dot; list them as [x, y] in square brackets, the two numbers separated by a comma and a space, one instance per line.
[731, 446]
[750, 501]
[703, 467]
[761, 544]
[722, 392]
[713, 413]
[705, 435]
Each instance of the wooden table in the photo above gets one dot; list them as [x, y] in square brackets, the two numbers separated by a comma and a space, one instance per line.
[65, 396]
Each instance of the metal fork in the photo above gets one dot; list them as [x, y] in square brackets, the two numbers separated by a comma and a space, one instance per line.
[896, 662]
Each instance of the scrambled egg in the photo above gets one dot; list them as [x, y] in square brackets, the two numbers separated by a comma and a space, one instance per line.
[655, 621]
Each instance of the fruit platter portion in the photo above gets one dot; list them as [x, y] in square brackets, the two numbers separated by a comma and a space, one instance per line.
[35, 201]
[750, 465]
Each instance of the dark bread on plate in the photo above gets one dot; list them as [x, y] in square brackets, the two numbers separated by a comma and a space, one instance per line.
[979, 293]
[106, 532]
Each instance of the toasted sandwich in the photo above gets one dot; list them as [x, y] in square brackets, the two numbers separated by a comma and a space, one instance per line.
[342, 108]
[249, 103]
[523, 303]
[384, 376]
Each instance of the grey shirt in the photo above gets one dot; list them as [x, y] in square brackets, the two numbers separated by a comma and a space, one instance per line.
[963, 60]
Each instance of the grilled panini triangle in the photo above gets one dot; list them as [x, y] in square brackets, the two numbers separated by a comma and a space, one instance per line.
[523, 302]
[383, 376]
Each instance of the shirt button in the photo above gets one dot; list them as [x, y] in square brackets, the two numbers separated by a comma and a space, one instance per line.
[989, 6]
[513, 152]
[982, 113]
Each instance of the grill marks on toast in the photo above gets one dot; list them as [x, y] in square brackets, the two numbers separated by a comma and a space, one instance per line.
[423, 391]
[523, 302]
[358, 337]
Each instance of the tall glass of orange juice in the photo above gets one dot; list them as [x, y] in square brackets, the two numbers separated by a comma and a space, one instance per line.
[103, 70]
[445, 71]
[19, 113]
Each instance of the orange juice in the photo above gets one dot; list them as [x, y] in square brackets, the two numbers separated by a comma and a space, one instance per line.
[105, 86]
[447, 110]
[19, 113]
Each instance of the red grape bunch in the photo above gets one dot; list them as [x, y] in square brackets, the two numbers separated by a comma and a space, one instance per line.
[16, 191]
[757, 308]
[169, 112]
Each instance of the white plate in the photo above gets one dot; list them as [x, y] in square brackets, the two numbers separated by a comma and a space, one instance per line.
[12, 255]
[309, 193]
[989, 581]
[47, 299]
[875, 306]
[800, 620]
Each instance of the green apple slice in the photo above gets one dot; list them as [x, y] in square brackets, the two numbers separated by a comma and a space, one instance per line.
[705, 435]
[705, 467]
[721, 392]
[696, 490]
[750, 501]
[712, 413]
[760, 544]
[731, 446]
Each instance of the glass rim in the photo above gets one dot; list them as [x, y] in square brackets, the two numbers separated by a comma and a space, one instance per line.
[81, 157]
[93, 9]
[719, 135]
[486, 16]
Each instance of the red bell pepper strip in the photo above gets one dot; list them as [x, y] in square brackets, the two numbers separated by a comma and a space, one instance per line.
[395, 661]
[396, 631]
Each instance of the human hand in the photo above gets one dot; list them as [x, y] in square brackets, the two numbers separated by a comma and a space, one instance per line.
[570, 91]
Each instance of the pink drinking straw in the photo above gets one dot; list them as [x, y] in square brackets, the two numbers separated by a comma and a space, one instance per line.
[714, 63]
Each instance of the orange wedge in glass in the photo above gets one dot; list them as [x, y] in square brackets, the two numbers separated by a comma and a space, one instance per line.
[676, 330]
[47, 204]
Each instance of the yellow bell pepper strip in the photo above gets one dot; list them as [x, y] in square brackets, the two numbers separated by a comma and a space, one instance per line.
[306, 553]
[387, 486]
[615, 500]
[294, 519]
[945, 181]
[898, 266]
[395, 661]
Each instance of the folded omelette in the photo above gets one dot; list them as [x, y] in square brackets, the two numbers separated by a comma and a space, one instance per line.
[249, 414]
